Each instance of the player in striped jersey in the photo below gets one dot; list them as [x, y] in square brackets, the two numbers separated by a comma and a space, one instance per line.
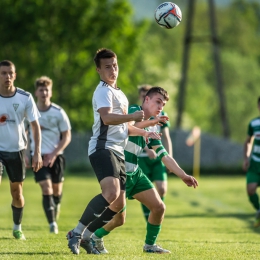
[56, 135]
[251, 163]
[148, 161]
[110, 134]
[138, 186]
[15, 106]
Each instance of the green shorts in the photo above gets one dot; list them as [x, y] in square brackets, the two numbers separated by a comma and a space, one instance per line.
[155, 170]
[137, 183]
[253, 173]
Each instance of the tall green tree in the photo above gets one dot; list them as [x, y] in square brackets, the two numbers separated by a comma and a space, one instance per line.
[59, 39]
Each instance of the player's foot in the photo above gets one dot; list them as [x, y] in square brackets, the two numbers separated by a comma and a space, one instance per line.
[87, 245]
[257, 219]
[57, 211]
[155, 249]
[74, 240]
[98, 244]
[18, 235]
[54, 228]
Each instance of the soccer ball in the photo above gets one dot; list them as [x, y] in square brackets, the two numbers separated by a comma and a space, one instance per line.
[168, 15]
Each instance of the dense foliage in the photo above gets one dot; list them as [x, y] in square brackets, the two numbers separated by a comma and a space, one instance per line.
[60, 38]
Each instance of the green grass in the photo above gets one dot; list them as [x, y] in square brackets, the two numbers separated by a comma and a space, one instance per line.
[211, 222]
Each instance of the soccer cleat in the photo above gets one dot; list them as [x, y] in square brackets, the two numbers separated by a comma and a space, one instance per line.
[18, 235]
[155, 249]
[87, 245]
[98, 244]
[57, 211]
[74, 240]
[257, 219]
[54, 229]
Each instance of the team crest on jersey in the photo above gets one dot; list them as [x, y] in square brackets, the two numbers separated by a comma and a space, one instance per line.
[15, 106]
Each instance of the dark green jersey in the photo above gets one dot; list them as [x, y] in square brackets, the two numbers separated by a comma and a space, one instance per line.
[254, 130]
[135, 146]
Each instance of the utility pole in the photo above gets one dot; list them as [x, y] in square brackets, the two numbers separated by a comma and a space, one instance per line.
[188, 39]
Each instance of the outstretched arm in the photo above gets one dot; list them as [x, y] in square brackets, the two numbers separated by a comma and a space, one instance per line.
[110, 118]
[173, 166]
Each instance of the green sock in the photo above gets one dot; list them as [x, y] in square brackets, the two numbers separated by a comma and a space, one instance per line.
[254, 199]
[101, 232]
[152, 233]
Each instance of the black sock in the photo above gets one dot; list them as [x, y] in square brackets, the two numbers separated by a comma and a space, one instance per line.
[106, 216]
[48, 206]
[94, 209]
[57, 199]
[17, 215]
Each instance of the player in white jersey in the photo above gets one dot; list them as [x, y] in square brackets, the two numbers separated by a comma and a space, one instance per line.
[16, 105]
[251, 163]
[148, 161]
[138, 186]
[106, 147]
[56, 135]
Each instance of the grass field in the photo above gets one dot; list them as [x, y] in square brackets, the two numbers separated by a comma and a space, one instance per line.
[211, 222]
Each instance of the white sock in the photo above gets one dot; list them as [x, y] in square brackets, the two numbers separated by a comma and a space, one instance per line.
[53, 224]
[87, 234]
[17, 227]
[79, 228]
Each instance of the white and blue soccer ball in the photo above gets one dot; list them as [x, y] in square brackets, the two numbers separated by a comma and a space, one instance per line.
[168, 15]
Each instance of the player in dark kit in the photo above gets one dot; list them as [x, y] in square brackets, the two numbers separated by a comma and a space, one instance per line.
[56, 135]
[15, 106]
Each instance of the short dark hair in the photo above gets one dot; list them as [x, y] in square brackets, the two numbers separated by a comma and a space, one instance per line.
[144, 88]
[103, 53]
[158, 90]
[43, 81]
[7, 63]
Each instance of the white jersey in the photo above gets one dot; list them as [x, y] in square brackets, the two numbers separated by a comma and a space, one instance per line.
[13, 111]
[112, 137]
[52, 122]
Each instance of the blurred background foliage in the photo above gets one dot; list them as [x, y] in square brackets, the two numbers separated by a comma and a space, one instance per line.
[59, 39]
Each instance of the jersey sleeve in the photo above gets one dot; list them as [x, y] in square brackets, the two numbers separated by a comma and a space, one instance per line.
[154, 142]
[104, 98]
[133, 108]
[250, 130]
[31, 110]
[64, 123]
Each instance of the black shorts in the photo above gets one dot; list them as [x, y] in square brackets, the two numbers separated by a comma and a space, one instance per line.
[54, 173]
[14, 163]
[105, 164]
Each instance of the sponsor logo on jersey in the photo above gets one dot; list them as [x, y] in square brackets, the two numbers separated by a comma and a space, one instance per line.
[4, 118]
[15, 106]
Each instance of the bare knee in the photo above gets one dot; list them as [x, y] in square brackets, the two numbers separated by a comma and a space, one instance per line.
[251, 189]
[111, 196]
[158, 209]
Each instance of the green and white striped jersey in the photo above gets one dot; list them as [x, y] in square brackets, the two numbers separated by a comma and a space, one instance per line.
[135, 146]
[254, 130]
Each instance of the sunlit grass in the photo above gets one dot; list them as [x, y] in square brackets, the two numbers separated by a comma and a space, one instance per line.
[213, 221]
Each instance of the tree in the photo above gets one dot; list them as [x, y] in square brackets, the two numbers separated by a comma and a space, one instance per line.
[59, 39]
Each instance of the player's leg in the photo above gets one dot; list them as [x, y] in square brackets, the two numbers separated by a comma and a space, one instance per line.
[57, 175]
[146, 164]
[14, 163]
[111, 176]
[43, 178]
[253, 180]
[145, 192]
